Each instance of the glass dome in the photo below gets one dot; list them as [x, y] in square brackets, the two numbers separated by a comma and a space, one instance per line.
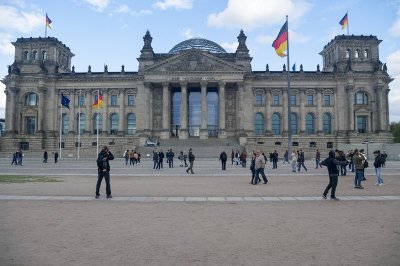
[197, 43]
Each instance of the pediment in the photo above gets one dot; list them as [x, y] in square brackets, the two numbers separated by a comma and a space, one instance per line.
[193, 61]
[362, 110]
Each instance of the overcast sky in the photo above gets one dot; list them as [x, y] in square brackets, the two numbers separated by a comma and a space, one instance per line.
[111, 32]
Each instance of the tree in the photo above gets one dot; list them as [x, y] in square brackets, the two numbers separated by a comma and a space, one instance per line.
[395, 129]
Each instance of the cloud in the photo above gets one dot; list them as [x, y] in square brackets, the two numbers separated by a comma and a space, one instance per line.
[230, 47]
[177, 4]
[395, 29]
[19, 20]
[187, 33]
[98, 5]
[257, 13]
[5, 43]
[393, 63]
[123, 9]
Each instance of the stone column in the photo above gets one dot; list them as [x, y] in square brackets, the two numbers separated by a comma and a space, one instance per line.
[121, 113]
[267, 120]
[165, 134]
[11, 122]
[72, 124]
[319, 113]
[89, 112]
[240, 120]
[221, 110]
[184, 134]
[203, 129]
[104, 113]
[302, 114]
[385, 103]
[350, 116]
[284, 113]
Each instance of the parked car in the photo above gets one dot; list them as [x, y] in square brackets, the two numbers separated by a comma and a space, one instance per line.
[152, 143]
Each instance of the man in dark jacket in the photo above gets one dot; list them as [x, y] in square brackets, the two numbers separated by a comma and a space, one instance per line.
[300, 160]
[103, 170]
[223, 157]
[331, 163]
[191, 158]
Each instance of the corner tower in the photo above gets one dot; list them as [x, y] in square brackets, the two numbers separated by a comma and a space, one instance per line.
[352, 53]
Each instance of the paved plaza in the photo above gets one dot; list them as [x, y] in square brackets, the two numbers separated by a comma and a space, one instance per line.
[213, 217]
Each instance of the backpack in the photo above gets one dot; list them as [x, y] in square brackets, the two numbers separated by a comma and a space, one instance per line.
[366, 164]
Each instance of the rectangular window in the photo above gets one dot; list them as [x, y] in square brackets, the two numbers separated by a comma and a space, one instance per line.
[361, 124]
[81, 100]
[258, 99]
[293, 100]
[310, 100]
[114, 100]
[276, 100]
[131, 100]
[327, 100]
[30, 124]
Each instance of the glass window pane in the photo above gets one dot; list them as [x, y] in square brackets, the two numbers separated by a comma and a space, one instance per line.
[114, 122]
[293, 123]
[310, 124]
[259, 124]
[326, 123]
[65, 124]
[114, 100]
[131, 124]
[131, 100]
[276, 124]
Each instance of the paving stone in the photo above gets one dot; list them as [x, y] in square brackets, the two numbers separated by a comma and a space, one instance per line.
[271, 198]
[287, 198]
[234, 199]
[195, 199]
[216, 199]
[252, 198]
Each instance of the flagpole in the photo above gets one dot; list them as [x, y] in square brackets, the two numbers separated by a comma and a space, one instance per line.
[97, 121]
[289, 94]
[45, 26]
[60, 126]
[348, 23]
[79, 124]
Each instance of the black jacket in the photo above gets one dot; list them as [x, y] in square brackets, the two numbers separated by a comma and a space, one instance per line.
[332, 163]
[103, 160]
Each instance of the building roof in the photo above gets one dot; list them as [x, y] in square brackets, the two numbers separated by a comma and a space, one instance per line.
[197, 43]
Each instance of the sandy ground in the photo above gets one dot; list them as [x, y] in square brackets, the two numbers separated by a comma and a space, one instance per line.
[108, 232]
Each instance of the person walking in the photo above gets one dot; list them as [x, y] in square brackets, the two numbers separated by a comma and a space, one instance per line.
[155, 160]
[161, 159]
[358, 159]
[233, 156]
[191, 158]
[14, 159]
[332, 164]
[379, 159]
[343, 168]
[170, 158]
[317, 159]
[126, 156]
[275, 160]
[19, 156]
[45, 157]
[253, 169]
[55, 157]
[259, 167]
[286, 157]
[181, 158]
[301, 161]
[223, 157]
[103, 171]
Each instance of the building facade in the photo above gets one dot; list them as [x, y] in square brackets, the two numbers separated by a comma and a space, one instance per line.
[196, 90]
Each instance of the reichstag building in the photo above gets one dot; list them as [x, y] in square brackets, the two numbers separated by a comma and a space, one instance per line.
[196, 90]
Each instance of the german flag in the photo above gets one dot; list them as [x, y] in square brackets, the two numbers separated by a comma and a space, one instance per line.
[344, 21]
[48, 22]
[281, 42]
[99, 103]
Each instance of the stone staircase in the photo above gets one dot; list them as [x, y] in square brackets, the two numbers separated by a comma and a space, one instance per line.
[202, 148]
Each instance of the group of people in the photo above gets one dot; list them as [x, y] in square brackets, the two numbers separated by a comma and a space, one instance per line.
[357, 161]
[239, 158]
[158, 159]
[17, 158]
[132, 157]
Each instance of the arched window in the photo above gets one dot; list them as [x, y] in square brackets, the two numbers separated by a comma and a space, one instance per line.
[310, 127]
[35, 55]
[361, 97]
[44, 55]
[293, 123]
[366, 53]
[347, 53]
[131, 124]
[65, 124]
[276, 124]
[97, 123]
[82, 121]
[259, 124]
[356, 54]
[326, 122]
[31, 99]
[26, 55]
[114, 121]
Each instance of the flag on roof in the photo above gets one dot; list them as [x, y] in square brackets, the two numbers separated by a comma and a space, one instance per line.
[344, 21]
[281, 42]
[48, 21]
